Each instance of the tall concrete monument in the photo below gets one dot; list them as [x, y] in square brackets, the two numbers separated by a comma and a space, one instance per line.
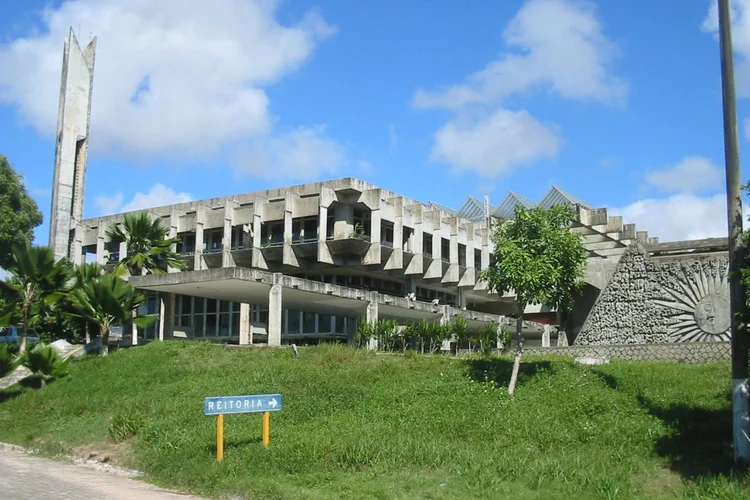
[73, 119]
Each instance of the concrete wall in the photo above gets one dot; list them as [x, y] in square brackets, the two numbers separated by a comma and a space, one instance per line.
[661, 300]
[692, 352]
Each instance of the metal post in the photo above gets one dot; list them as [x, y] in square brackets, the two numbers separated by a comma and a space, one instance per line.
[266, 428]
[219, 437]
[740, 389]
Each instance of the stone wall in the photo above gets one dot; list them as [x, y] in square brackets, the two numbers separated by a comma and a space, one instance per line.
[687, 352]
[661, 300]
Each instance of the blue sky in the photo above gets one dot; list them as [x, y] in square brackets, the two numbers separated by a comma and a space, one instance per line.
[436, 100]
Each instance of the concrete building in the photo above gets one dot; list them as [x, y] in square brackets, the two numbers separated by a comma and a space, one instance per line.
[306, 263]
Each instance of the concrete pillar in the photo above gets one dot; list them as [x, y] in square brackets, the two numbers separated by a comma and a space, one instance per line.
[226, 240]
[166, 316]
[435, 269]
[123, 250]
[445, 318]
[416, 265]
[343, 224]
[246, 327]
[100, 238]
[461, 300]
[289, 258]
[371, 315]
[78, 257]
[133, 331]
[545, 336]
[199, 221]
[173, 221]
[275, 311]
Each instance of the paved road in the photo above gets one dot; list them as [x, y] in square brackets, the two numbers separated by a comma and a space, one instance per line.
[23, 477]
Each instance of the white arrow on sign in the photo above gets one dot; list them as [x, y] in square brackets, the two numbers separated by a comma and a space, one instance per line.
[273, 403]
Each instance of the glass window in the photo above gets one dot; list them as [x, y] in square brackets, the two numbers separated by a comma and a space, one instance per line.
[445, 249]
[427, 244]
[186, 304]
[210, 325]
[340, 324]
[478, 259]
[310, 229]
[461, 255]
[308, 322]
[211, 306]
[224, 320]
[224, 306]
[293, 321]
[330, 223]
[324, 323]
[198, 304]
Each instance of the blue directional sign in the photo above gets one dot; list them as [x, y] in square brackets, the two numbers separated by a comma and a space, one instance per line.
[242, 404]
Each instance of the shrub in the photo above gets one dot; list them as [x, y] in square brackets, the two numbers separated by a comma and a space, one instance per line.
[125, 425]
[8, 360]
[44, 362]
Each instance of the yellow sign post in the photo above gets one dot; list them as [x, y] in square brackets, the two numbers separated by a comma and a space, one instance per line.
[218, 406]
[266, 429]
[219, 437]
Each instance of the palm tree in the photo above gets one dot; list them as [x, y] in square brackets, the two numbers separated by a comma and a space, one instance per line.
[37, 282]
[108, 300]
[148, 248]
[83, 274]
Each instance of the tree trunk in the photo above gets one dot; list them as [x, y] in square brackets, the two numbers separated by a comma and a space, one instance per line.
[104, 333]
[24, 328]
[87, 336]
[519, 348]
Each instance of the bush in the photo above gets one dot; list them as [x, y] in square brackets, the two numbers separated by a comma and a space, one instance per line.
[8, 360]
[44, 362]
[125, 425]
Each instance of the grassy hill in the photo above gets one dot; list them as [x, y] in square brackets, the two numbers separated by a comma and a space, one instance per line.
[360, 425]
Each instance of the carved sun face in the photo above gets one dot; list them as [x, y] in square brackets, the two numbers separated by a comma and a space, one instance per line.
[700, 306]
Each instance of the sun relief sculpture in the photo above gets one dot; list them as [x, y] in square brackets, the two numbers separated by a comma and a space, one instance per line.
[700, 309]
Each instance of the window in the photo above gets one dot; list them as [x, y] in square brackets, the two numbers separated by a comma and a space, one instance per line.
[330, 223]
[293, 322]
[478, 259]
[238, 237]
[212, 240]
[340, 324]
[461, 255]
[112, 248]
[310, 229]
[308, 322]
[186, 243]
[362, 222]
[386, 233]
[272, 233]
[199, 305]
[324, 323]
[427, 245]
[445, 250]
[407, 244]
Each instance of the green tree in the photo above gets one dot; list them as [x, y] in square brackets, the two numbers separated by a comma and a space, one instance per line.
[108, 300]
[19, 214]
[540, 260]
[148, 248]
[37, 282]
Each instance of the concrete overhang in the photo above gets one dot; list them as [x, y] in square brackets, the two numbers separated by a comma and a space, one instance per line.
[252, 286]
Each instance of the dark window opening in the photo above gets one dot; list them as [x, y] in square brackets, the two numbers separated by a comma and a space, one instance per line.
[386, 233]
[112, 249]
[186, 243]
[445, 249]
[238, 237]
[362, 222]
[272, 233]
[406, 240]
[212, 240]
[427, 245]
[478, 260]
[305, 230]
[461, 255]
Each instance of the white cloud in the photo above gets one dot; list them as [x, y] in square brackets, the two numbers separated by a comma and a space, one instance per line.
[173, 78]
[679, 217]
[561, 47]
[303, 153]
[494, 144]
[159, 195]
[556, 46]
[694, 174]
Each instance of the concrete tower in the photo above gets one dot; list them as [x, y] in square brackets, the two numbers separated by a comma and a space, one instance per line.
[73, 118]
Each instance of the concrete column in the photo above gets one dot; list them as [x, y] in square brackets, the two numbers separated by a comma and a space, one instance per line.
[461, 299]
[445, 318]
[343, 224]
[173, 221]
[371, 316]
[416, 265]
[133, 331]
[100, 239]
[123, 250]
[246, 327]
[78, 257]
[274, 312]
[199, 221]
[289, 258]
[396, 259]
[435, 269]
[166, 316]
[226, 240]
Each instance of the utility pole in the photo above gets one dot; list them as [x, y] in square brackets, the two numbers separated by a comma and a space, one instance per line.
[740, 384]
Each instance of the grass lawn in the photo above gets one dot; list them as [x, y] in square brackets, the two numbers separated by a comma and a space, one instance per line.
[360, 425]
